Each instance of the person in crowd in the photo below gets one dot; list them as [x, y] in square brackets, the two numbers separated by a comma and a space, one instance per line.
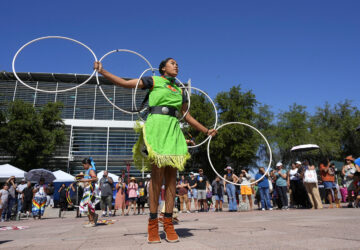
[263, 186]
[281, 185]
[327, 173]
[201, 191]
[89, 199]
[192, 193]
[50, 195]
[293, 181]
[246, 191]
[106, 187]
[120, 196]
[132, 191]
[301, 192]
[78, 192]
[62, 199]
[40, 198]
[274, 196]
[141, 199]
[147, 186]
[218, 191]
[209, 196]
[357, 189]
[348, 171]
[256, 192]
[19, 189]
[27, 197]
[229, 188]
[7, 212]
[312, 187]
[4, 200]
[183, 189]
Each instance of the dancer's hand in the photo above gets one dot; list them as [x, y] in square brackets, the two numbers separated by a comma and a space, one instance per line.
[98, 67]
[212, 132]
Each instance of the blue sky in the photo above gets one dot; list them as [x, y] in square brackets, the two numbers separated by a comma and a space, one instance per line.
[306, 52]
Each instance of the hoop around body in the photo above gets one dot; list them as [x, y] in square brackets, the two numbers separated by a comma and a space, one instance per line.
[267, 144]
[99, 85]
[52, 37]
[216, 116]
[137, 85]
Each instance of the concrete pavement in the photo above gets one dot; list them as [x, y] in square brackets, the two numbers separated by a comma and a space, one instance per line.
[292, 229]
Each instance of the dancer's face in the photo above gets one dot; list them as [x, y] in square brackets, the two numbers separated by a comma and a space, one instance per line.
[171, 68]
[86, 166]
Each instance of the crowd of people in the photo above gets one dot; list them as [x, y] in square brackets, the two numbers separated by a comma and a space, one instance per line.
[25, 198]
[298, 187]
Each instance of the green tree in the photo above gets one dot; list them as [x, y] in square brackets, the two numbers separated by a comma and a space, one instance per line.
[31, 137]
[235, 145]
[333, 129]
[292, 129]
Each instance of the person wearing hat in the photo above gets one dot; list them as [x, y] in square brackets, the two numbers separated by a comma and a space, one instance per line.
[229, 188]
[245, 189]
[132, 192]
[348, 171]
[281, 185]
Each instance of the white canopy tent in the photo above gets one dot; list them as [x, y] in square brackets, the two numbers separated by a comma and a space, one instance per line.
[61, 176]
[8, 170]
[113, 176]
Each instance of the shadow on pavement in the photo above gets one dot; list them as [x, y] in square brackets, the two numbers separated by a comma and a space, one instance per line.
[4, 241]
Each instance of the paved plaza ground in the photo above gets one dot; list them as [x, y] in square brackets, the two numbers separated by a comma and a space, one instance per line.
[292, 229]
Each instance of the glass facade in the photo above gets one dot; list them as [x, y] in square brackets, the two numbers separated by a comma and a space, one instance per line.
[92, 123]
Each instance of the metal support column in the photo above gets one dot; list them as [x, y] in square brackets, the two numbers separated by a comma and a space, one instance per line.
[70, 146]
[37, 84]
[15, 90]
[107, 148]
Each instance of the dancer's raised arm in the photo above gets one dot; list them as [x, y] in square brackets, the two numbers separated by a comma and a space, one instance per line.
[115, 79]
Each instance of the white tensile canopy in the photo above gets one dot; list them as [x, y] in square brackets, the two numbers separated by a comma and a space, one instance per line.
[61, 176]
[8, 170]
[304, 147]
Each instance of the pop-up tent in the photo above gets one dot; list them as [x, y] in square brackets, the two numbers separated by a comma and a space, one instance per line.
[61, 177]
[8, 170]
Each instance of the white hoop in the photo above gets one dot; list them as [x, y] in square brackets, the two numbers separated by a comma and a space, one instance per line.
[52, 91]
[216, 116]
[182, 85]
[267, 143]
[99, 85]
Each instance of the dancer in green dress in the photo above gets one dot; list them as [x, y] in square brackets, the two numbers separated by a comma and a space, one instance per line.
[161, 144]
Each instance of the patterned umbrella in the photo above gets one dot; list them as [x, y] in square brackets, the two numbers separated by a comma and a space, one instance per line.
[36, 174]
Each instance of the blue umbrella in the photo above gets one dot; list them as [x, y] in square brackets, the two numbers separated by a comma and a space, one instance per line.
[36, 174]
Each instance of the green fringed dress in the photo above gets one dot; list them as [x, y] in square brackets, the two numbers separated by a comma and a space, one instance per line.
[161, 134]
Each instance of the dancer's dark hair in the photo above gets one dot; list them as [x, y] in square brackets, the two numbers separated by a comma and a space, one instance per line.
[162, 65]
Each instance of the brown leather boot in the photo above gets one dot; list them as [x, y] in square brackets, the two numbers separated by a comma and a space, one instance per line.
[171, 235]
[153, 231]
